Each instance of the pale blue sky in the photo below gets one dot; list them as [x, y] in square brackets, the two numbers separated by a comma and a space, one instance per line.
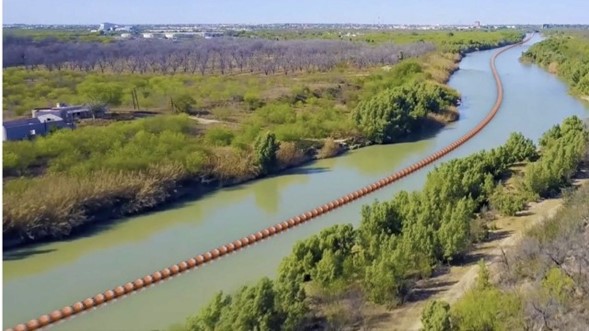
[295, 11]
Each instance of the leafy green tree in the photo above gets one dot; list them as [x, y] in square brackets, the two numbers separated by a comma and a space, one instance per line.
[210, 316]
[550, 136]
[378, 220]
[508, 203]
[436, 316]
[385, 278]
[420, 243]
[396, 112]
[519, 148]
[265, 148]
[257, 307]
[454, 232]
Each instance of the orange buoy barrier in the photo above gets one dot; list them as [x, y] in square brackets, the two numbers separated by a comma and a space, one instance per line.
[156, 277]
[67, 311]
[44, 320]
[99, 299]
[32, 325]
[55, 315]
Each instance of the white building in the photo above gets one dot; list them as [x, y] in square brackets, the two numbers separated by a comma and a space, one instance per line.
[106, 27]
[148, 35]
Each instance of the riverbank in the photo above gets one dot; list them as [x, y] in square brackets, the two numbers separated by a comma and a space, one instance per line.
[189, 171]
[563, 54]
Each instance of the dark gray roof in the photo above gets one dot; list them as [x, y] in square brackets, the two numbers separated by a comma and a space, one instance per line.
[21, 122]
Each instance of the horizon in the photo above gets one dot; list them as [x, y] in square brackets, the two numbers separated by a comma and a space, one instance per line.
[292, 23]
[262, 12]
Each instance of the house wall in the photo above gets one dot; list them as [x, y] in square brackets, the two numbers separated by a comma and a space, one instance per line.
[23, 132]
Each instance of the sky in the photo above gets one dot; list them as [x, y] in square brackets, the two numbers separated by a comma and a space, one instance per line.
[296, 11]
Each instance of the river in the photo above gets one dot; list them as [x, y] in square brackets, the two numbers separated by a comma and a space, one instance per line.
[39, 279]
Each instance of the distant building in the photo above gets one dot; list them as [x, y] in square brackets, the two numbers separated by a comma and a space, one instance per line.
[148, 35]
[477, 24]
[125, 35]
[212, 34]
[127, 28]
[106, 27]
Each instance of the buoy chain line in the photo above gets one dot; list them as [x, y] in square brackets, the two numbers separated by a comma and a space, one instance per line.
[158, 276]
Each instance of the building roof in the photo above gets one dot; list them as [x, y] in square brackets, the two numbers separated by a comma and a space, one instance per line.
[21, 122]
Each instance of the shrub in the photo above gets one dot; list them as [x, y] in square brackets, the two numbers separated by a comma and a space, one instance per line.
[486, 308]
[519, 148]
[265, 148]
[253, 100]
[329, 149]
[436, 316]
[507, 202]
[219, 136]
[289, 154]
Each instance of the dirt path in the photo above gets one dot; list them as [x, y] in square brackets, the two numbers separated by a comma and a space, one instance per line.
[204, 120]
[451, 283]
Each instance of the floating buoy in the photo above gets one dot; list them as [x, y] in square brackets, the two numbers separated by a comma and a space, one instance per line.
[55, 316]
[32, 325]
[129, 287]
[78, 307]
[99, 299]
[44, 320]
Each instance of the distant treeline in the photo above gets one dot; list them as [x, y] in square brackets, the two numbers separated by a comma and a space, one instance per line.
[203, 56]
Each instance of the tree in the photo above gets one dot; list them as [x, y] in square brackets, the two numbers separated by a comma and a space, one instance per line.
[384, 280]
[454, 232]
[378, 220]
[258, 307]
[265, 148]
[436, 316]
[183, 103]
[519, 148]
[99, 93]
[507, 202]
[210, 316]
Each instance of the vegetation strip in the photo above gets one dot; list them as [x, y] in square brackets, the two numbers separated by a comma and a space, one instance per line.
[140, 283]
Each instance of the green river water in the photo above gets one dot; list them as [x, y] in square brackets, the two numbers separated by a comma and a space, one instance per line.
[42, 278]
